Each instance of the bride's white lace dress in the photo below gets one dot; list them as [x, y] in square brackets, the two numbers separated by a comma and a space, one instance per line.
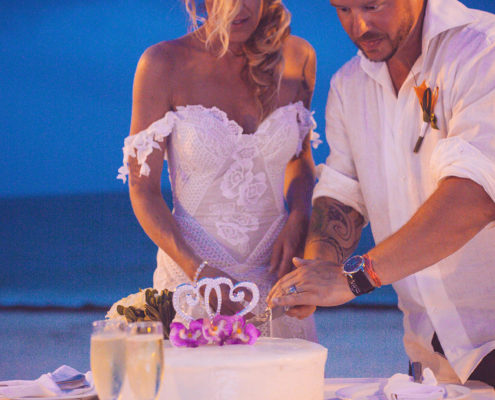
[227, 192]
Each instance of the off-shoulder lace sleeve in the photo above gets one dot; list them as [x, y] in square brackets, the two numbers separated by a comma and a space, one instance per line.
[141, 144]
[307, 124]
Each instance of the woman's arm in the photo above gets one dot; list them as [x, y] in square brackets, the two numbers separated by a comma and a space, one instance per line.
[298, 184]
[152, 98]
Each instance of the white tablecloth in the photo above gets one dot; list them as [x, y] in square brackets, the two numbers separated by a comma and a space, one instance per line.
[479, 390]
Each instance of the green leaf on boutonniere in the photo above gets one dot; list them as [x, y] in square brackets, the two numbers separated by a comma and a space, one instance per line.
[427, 100]
[433, 122]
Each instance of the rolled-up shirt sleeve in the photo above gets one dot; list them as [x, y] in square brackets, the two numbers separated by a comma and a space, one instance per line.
[337, 178]
[468, 151]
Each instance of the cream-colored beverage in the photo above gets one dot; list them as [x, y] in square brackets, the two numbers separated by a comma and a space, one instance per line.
[144, 360]
[108, 364]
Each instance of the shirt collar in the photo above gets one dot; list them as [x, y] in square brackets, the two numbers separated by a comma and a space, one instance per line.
[440, 16]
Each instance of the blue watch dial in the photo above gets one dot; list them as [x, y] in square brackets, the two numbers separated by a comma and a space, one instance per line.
[353, 269]
[353, 265]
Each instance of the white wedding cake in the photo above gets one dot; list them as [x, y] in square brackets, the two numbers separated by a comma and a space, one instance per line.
[222, 357]
[271, 369]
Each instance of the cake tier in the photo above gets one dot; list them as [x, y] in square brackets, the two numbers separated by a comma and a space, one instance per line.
[272, 369]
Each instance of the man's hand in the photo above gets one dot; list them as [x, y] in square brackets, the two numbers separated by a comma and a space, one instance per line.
[289, 244]
[317, 283]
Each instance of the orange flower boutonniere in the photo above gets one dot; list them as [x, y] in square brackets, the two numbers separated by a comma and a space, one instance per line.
[427, 100]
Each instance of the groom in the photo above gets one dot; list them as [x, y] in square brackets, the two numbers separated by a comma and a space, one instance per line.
[411, 127]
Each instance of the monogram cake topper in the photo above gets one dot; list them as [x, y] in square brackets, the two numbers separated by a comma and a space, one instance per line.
[191, 294]
[216, 329]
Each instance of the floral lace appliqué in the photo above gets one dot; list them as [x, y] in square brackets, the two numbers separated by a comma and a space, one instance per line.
[243, 186]
[237, 175]
[234, 229]
[239, 182]
[250, 192]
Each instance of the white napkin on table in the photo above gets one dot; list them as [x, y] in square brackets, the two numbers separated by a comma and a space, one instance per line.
[402, 387]
[64, 380]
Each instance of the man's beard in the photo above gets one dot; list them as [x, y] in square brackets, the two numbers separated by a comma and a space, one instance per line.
[395, 43]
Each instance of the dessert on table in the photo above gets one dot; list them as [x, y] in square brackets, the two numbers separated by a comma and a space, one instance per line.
[223, 357]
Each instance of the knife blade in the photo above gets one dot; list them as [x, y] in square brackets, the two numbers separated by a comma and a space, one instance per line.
[417, 372]
[268, 315]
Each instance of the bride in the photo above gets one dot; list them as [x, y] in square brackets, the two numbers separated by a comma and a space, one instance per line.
[227, 107]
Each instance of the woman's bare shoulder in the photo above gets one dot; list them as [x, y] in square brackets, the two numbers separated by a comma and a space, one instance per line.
[300, 66]
[165, 57]
[158, 80]
[297, 49]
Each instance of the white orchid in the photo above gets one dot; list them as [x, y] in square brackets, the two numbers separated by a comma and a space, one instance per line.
[137, 300]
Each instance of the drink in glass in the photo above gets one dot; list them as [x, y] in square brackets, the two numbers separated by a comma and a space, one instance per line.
[144, 358]
[108, 357]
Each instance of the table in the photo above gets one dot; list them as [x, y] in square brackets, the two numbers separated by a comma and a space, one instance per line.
[479, 390]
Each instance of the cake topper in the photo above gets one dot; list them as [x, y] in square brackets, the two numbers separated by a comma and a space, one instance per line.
[217, 329]
[192, 296]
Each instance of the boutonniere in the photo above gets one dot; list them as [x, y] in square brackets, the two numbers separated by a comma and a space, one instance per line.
[427, 100]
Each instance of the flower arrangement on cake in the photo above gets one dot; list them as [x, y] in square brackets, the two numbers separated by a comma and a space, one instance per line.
[146, 305]
[151, 305]
[221, 330]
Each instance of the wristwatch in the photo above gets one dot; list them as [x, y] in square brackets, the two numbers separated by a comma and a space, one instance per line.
[353, 270]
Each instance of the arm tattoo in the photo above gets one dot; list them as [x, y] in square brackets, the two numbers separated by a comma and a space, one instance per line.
[335, 226]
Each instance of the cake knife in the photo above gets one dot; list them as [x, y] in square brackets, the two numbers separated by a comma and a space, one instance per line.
[268, 315]
[417, 372]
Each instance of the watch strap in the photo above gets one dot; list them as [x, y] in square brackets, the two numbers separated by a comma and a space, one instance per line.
[357, 279]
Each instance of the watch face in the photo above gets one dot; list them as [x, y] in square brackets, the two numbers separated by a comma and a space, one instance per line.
[354, 264]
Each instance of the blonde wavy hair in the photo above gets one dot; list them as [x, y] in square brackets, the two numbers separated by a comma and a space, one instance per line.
[263, 50]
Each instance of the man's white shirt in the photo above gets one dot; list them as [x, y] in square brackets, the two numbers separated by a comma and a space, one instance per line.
[372, 132]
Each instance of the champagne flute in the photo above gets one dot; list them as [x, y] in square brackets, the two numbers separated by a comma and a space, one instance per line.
[144, 358]
[108, 357]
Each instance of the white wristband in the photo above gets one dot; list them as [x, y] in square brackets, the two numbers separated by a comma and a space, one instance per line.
[199, 270]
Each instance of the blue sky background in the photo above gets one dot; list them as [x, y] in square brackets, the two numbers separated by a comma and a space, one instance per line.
[66, 79]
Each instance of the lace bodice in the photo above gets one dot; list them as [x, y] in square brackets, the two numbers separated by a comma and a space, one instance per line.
[229, 182]
[227, 187]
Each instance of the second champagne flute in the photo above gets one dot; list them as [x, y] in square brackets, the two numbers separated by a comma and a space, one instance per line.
[144, 358]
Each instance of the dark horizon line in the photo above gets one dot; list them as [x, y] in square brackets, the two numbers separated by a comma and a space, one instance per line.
[7, 197]
[104, 308]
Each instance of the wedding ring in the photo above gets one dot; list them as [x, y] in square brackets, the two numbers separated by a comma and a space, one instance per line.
[292, 289]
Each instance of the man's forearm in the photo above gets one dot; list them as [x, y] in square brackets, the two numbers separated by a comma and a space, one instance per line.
[452, 216]
[334, 231]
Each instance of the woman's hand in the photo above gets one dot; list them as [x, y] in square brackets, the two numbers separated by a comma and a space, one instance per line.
[289, 244]
[317, 283]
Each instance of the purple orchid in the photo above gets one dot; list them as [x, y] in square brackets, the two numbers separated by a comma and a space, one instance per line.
[180, 336]
[221, 330]
[242, 333]
[218, 330]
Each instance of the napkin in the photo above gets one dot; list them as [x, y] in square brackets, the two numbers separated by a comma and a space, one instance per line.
[64, 381]
[402, 387]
